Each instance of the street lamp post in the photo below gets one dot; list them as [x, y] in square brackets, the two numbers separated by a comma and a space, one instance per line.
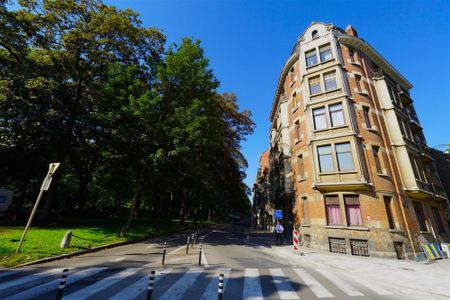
[44, 187]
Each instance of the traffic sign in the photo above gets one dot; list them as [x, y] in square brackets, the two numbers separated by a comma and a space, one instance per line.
[278, 214]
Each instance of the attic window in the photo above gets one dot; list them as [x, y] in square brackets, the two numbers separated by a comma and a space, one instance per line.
[314, 34]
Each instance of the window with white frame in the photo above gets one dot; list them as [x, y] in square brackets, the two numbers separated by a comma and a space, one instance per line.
[325, 53]
[330, 81]
[297, 130]
[301, 166]
[353, 210]
[344, 157]
[333, 210]
[295, 100]
[314, 85]
[376, 157]
[359, 84]
[351, 54]
[311, 58]
[320, 118]
[366, 110]
[325, 158]
[336, 115]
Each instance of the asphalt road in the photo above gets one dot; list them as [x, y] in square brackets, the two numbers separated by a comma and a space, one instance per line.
[252, 270]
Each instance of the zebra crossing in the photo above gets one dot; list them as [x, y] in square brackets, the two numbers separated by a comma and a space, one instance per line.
[188, 283]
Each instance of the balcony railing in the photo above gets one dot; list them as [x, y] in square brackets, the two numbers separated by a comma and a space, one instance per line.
[424, 186]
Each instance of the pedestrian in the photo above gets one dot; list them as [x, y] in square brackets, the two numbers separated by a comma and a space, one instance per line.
[279, 232]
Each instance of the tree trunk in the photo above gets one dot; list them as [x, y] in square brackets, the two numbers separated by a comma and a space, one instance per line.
[136, 197]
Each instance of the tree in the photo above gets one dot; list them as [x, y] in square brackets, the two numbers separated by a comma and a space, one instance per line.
[55, 57]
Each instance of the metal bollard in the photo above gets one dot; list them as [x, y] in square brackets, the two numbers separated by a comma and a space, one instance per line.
[220, 291]
[151, 281]
[200, 255]
[164, 253]
[187, 246]
[62, 284]
[192, 241]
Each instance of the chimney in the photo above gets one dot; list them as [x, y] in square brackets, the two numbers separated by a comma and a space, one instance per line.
[351, 31]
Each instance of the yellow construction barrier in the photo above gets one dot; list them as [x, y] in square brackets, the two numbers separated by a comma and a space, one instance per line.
[432, 251]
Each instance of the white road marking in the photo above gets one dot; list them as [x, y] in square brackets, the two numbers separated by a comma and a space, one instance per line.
[177, 290]
[345, 287]
[118, 259]
[32, 293]
[252, 286]
[139, 286]
[319, 290]
[26, 279]
[284, 289]
[211, 290]
[101, 285]
[176, 250]
[204, 261]
[372, 286]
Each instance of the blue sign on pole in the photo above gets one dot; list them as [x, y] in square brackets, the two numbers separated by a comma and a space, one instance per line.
[278, 214]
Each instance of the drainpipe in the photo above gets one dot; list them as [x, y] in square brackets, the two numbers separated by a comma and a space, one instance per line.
[397, 188]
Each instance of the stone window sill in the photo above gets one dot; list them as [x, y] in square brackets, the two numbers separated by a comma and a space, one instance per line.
[364, 93]
[324, 93]
[396, 231]
[319, 63]
[347, 227]
[329, 128]
[384, 175]
[342, 172]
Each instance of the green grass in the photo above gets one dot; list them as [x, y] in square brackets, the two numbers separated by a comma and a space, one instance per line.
[42, 242]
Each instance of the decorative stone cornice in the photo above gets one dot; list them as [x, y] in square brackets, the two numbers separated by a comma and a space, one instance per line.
[376, 57]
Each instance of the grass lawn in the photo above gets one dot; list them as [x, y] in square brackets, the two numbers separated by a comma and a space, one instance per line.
[43, 242]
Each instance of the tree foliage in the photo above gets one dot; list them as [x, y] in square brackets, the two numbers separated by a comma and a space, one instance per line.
[136, 127]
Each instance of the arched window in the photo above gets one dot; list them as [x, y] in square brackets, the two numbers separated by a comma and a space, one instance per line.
[314, 34]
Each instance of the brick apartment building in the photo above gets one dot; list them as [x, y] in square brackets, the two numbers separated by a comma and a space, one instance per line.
[348, 162]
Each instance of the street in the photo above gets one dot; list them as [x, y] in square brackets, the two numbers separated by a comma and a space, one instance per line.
[252, 266]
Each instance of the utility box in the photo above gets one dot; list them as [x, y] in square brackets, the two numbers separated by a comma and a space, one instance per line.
[6, 197]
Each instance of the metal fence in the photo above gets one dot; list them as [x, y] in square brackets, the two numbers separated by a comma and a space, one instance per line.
[359, 247]
[337, 245]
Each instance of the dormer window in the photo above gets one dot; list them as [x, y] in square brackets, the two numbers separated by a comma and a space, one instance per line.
[314, 34]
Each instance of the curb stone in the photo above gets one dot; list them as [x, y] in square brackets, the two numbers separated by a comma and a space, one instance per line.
[94, 249]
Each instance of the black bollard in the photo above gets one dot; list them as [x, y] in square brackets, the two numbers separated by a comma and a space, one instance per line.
[220, 291]
[200, 255]
[187, 246]
[164, 253]
[151, 281]
[62, 284]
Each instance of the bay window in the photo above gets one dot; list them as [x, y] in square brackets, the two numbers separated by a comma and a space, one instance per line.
[336, 115]
[314, 85]
[344, 157]
[325, 158]
[330, 81]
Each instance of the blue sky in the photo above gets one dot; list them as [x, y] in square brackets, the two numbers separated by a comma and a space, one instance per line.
[248, 42]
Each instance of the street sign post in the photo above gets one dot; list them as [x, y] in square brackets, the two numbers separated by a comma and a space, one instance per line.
[44, 187]
[278, 214]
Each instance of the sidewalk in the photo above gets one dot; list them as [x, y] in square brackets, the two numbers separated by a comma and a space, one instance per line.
[405, 275]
